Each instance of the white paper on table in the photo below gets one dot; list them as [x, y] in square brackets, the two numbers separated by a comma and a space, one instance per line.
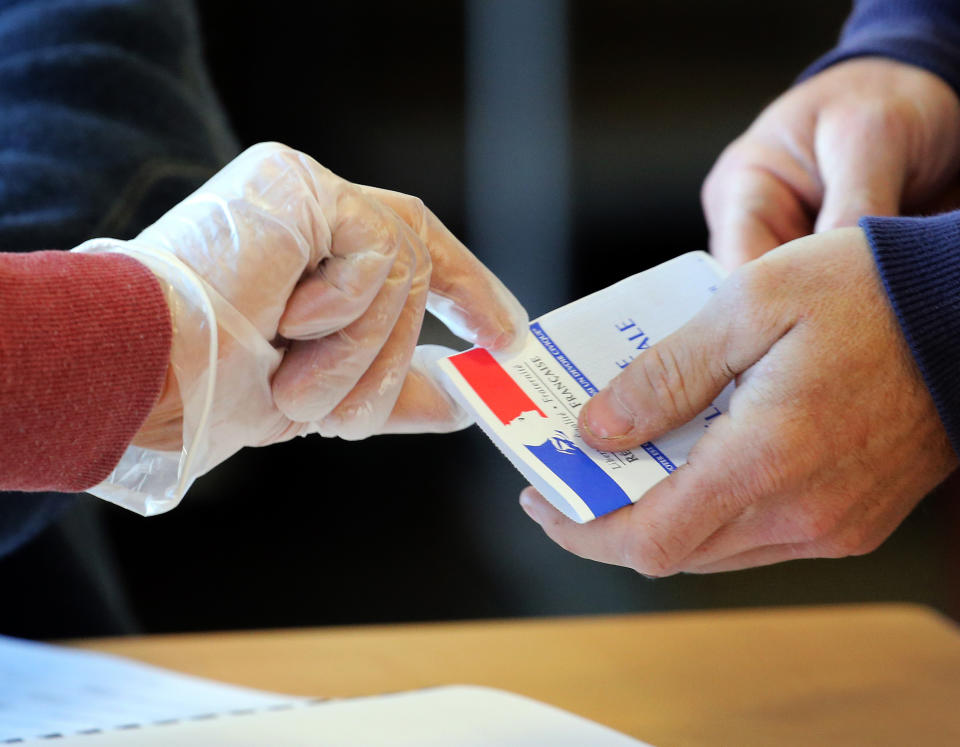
[60, 696]
[456, 716]
[528, 402]
[49, 690]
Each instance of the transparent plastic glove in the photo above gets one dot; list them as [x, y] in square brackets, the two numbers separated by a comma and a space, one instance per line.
[297, 300]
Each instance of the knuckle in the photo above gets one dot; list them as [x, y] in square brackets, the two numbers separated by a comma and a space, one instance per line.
[713, 185]
[400, 239]
[755, 282]
[708, 189]
[426, 262]
[867, 543]
[421, 254]
[871, 117]
[351, 201]
[833, 548]
[410, 249]
[802, 551]
[754, 299]
[269, 149]
[647, 556]
[301, 177]
[815, 526]
[418, 216]
[855, 539]
[273, 152]
[412, 211]
[404, 253]
[735, 159]
[662, 375]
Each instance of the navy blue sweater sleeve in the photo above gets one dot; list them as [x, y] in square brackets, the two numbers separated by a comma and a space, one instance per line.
[919, 262]
[107, 118]
[925, 33]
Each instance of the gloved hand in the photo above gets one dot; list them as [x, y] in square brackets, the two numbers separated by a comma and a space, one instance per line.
[864, 137]
[297, 300]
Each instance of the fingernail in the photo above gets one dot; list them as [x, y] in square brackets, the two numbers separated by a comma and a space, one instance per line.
[605, 417]
[502, 342]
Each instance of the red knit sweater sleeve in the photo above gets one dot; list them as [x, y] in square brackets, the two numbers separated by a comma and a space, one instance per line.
[84, 348]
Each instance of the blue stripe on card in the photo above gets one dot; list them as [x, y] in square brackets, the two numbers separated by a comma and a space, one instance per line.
[658, 456]
[595, 487]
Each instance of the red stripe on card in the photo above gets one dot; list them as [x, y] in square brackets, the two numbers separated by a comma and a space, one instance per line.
[493, 385]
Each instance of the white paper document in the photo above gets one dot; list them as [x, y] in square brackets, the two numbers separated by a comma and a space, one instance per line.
[60, 696]
[458, 716]
[528, 402]
[52, 690]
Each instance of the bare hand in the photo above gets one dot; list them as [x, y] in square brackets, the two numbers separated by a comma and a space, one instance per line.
[865, 137]
[831, 437]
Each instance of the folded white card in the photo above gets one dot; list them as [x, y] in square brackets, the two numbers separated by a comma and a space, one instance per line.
[528, 402]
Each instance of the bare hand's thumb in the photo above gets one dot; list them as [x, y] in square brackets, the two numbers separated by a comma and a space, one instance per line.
[674, 380]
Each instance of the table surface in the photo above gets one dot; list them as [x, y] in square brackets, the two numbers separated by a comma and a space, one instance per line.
[866, 674]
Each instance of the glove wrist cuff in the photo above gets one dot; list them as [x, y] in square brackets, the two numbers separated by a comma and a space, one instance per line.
[145, 480]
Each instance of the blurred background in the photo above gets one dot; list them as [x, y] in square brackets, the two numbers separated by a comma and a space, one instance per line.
[566, 142]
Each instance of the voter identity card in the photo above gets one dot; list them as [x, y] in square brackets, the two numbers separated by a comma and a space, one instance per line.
[528, 402]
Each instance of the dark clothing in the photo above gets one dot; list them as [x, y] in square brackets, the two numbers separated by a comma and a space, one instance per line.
[919, 261]
[925, 33]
